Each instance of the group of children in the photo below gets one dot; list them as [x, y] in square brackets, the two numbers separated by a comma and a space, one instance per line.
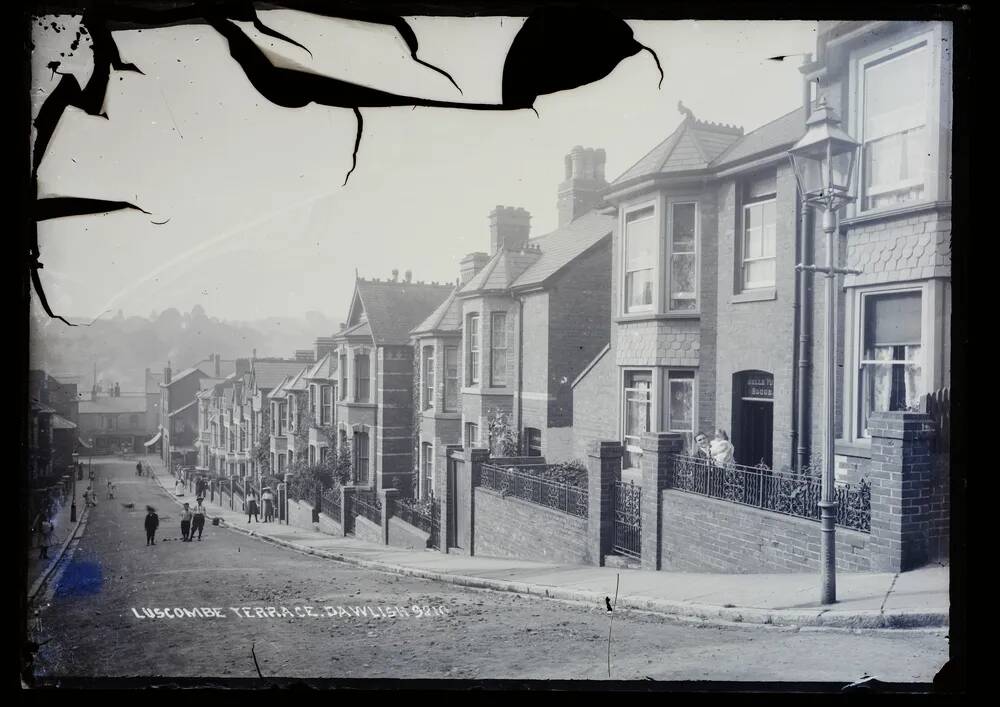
[191, 521]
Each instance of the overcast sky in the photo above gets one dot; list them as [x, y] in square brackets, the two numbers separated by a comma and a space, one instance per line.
[259, 224]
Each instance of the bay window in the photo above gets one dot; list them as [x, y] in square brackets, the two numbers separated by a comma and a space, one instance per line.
[683, 257]
[891, 355]
[638, 403]
[640, 259]
[498, 349]
[343, 377]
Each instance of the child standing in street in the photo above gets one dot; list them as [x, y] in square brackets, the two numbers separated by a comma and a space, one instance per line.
[152, 523]
[45, 529]
[186, 523]
[199, 518]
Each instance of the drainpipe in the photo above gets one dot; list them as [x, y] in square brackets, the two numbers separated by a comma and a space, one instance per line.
[803, 302]
[520, 371]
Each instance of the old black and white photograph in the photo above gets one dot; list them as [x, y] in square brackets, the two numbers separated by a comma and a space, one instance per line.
[559, 343]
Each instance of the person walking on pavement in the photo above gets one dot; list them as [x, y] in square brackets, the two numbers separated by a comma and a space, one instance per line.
[138, 468]
[252, 506]
[268, 501]
[111, 489]
[45, 529]
[152, 523]
[199, 518]
[179, 488]
[186, 516]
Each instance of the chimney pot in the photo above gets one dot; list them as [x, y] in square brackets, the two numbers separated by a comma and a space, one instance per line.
[584, 184]
[509, 228]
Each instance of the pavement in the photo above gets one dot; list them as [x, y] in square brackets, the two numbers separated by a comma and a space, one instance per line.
[907, 600]
[64, 530]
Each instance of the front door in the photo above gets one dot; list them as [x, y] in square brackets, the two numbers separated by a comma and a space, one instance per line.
[755, 440]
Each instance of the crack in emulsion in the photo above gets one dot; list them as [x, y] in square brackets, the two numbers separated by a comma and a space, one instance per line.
[532, 67]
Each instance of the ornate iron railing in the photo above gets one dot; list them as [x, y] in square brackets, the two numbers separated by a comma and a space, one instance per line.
[520, 483]
[627, 504]
[369, 505]
[769, 490]
[428, 520]
[330, 499]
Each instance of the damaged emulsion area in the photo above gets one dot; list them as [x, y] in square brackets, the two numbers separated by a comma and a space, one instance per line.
[531, 68]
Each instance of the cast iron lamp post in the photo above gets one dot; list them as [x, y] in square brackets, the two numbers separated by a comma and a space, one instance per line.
[823, 162]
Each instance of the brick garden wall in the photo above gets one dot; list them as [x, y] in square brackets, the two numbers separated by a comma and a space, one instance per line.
[402, 534]
[365, 530]
[509, 527]
[708, 535]
[300, 516]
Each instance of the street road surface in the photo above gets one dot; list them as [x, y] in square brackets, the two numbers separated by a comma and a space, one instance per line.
[89, 625]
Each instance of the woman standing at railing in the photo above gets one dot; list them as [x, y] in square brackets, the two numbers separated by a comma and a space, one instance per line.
[722, 449]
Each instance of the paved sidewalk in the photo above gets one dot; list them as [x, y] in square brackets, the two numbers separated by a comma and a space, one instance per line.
[915, 599]
[63, 531]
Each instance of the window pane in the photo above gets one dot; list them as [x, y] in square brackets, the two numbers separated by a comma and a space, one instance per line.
[894, 133]
[683, 228]
[451, 378]
[683, 279]
[640, 249]
[681, 405]
[891, 319]
[638, 289]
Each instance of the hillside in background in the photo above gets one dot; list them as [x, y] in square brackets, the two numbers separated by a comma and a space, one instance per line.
[123, 347]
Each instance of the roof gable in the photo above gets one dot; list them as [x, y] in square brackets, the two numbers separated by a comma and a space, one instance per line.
[393, 308]
[447, 317]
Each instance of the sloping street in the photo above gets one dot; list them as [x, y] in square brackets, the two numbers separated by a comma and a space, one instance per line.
[89, 622]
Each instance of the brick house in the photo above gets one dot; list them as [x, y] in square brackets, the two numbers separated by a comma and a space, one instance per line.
[289, 421]
[552, 291]
[321, 379]
[264, 376]
[706, 240]
[111, 423]
[374, 410]
[54, 420]
[437, 346]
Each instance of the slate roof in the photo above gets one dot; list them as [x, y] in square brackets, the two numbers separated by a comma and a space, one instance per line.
[545, 256]
[298, 382]
[324, 369]
[184, 374]
[181, 409]
[393, 308]
[692, 146]
[502, 269]
[359, 329]
[780, 133]
[447, 317]
[561, 246]
[279, 390]
[112, 406]
[269, 374]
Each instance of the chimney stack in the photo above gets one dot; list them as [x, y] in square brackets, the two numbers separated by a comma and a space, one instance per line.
[395, 274]
[408, 276]
[584, 184]
[218, 366]
[166, 374]
[509, 228]
[472, 264]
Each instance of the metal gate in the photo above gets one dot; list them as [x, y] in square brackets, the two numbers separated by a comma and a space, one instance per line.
[626, 501]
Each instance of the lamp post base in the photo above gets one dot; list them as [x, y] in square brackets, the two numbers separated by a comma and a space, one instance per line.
[827, 552]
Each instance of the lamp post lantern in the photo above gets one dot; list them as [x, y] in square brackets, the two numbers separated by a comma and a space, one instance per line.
[823, 162]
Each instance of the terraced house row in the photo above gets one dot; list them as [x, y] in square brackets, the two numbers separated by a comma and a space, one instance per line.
[666, 302]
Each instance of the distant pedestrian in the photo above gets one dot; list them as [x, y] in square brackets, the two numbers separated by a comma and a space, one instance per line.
[111, 490]
[45, 529]
[199, 518]
[267, 498]
[200, 487]
[179, 488]
[152, 523]
[722, 449]
[93, 474]
[138, 468]
[252, 507]
[186, 517]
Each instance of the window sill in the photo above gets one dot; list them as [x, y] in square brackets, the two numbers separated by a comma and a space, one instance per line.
[859, 448]
[887, 213]
[759, 295]
[651, 316]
